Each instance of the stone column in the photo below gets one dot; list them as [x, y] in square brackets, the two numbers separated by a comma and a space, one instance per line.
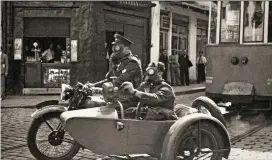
[155, 32]
[192, 46]
[169, 46]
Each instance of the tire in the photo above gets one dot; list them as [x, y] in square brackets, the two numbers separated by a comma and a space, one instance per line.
[31, 140]
[209, 104]
[180, 142]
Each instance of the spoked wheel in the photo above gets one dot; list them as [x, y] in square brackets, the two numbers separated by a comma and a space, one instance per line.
[200, 141]
[48, 140]
[207, 106]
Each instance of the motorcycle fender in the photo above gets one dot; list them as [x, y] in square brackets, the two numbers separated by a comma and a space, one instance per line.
[48, 109]
[47, 103]
[183, 124]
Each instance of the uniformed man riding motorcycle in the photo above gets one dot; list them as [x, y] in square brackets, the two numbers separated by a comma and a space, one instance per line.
[124, 65]
[154, 92]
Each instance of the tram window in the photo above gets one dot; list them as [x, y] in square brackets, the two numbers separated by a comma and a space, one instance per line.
[253, 21]
[230, 15]
[213, 22]
[270, 23]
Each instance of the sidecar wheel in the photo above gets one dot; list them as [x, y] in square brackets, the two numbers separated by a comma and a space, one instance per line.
[185, 145]
[208, 106]
[36, 148]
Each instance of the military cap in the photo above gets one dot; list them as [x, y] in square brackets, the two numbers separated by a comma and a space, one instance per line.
[121, 40]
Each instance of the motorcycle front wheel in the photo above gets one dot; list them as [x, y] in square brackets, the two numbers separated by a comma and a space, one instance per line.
[47, 140]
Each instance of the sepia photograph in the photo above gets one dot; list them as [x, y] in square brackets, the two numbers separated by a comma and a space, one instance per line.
[136, 80]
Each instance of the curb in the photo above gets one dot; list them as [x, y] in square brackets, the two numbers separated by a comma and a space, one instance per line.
[178, 93]
[191, 91]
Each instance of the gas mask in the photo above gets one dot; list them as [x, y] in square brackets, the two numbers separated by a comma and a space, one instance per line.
[154, 72]
[119, 51]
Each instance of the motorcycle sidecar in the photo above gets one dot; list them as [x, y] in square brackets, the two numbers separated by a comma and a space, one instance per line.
[103, 133]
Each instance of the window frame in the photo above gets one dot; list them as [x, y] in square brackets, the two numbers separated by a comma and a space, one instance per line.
[220, 24]
[243, 35]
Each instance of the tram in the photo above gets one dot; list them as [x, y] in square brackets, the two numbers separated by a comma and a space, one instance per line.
[239, 54]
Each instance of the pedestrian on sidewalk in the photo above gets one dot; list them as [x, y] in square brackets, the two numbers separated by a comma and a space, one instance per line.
[164, 59]
[4, 72]
[201, 62]
[174, 65]
[185, 64]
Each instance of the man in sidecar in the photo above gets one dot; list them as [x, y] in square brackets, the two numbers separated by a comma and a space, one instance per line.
[155, 93]
[124, 65]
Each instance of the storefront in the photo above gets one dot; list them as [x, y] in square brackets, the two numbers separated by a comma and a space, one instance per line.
[79, 35]
[182, 26]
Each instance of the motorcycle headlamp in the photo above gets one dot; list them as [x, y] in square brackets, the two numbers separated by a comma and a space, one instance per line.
[109, 92]
[66, 92]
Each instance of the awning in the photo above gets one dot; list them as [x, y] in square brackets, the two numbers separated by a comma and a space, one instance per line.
[131, 4]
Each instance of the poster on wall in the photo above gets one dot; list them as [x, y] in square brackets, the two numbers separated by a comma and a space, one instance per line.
[232, 18]
[17, 49]
[73, 50]
[54, 77]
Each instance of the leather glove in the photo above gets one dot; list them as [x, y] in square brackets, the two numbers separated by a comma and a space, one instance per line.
[127, 87]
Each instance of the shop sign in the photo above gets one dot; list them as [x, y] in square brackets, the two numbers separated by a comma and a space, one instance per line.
[18, 49]
[73, 50]
[54, 77]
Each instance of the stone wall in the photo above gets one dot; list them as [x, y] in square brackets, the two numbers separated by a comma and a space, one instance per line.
[87, 26]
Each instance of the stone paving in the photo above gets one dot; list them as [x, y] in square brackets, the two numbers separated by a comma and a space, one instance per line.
[15, 123]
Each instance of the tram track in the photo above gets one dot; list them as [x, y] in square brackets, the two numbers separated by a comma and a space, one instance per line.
[250, 132]
[240, 136]
[255, 129]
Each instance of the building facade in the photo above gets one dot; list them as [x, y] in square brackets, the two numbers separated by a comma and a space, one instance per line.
[179, 26]
[83, 30]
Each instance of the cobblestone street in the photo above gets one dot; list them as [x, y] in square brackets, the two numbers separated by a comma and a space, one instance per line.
[16, 121]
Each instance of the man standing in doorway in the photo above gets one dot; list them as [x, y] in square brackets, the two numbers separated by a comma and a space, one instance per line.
[201, 62]
[58, 54]
[185, 64]
[4, 72]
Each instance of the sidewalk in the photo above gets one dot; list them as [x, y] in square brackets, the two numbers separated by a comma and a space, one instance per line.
[30, 101]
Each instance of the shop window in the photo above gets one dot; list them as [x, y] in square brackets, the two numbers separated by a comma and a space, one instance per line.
[201, 33]
[253, 21]
[230, 16]
[213, 22]
[163, 39]
[35, 49]
[179, 38]
[270, 23]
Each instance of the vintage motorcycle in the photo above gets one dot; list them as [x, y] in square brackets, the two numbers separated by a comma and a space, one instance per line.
[58, 132]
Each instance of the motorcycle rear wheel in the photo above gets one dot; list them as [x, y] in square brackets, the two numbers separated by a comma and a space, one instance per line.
[36, 150]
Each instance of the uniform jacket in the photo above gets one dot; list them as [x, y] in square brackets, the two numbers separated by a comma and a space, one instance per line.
[129, 70]
[160, 94]
[160, 99]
